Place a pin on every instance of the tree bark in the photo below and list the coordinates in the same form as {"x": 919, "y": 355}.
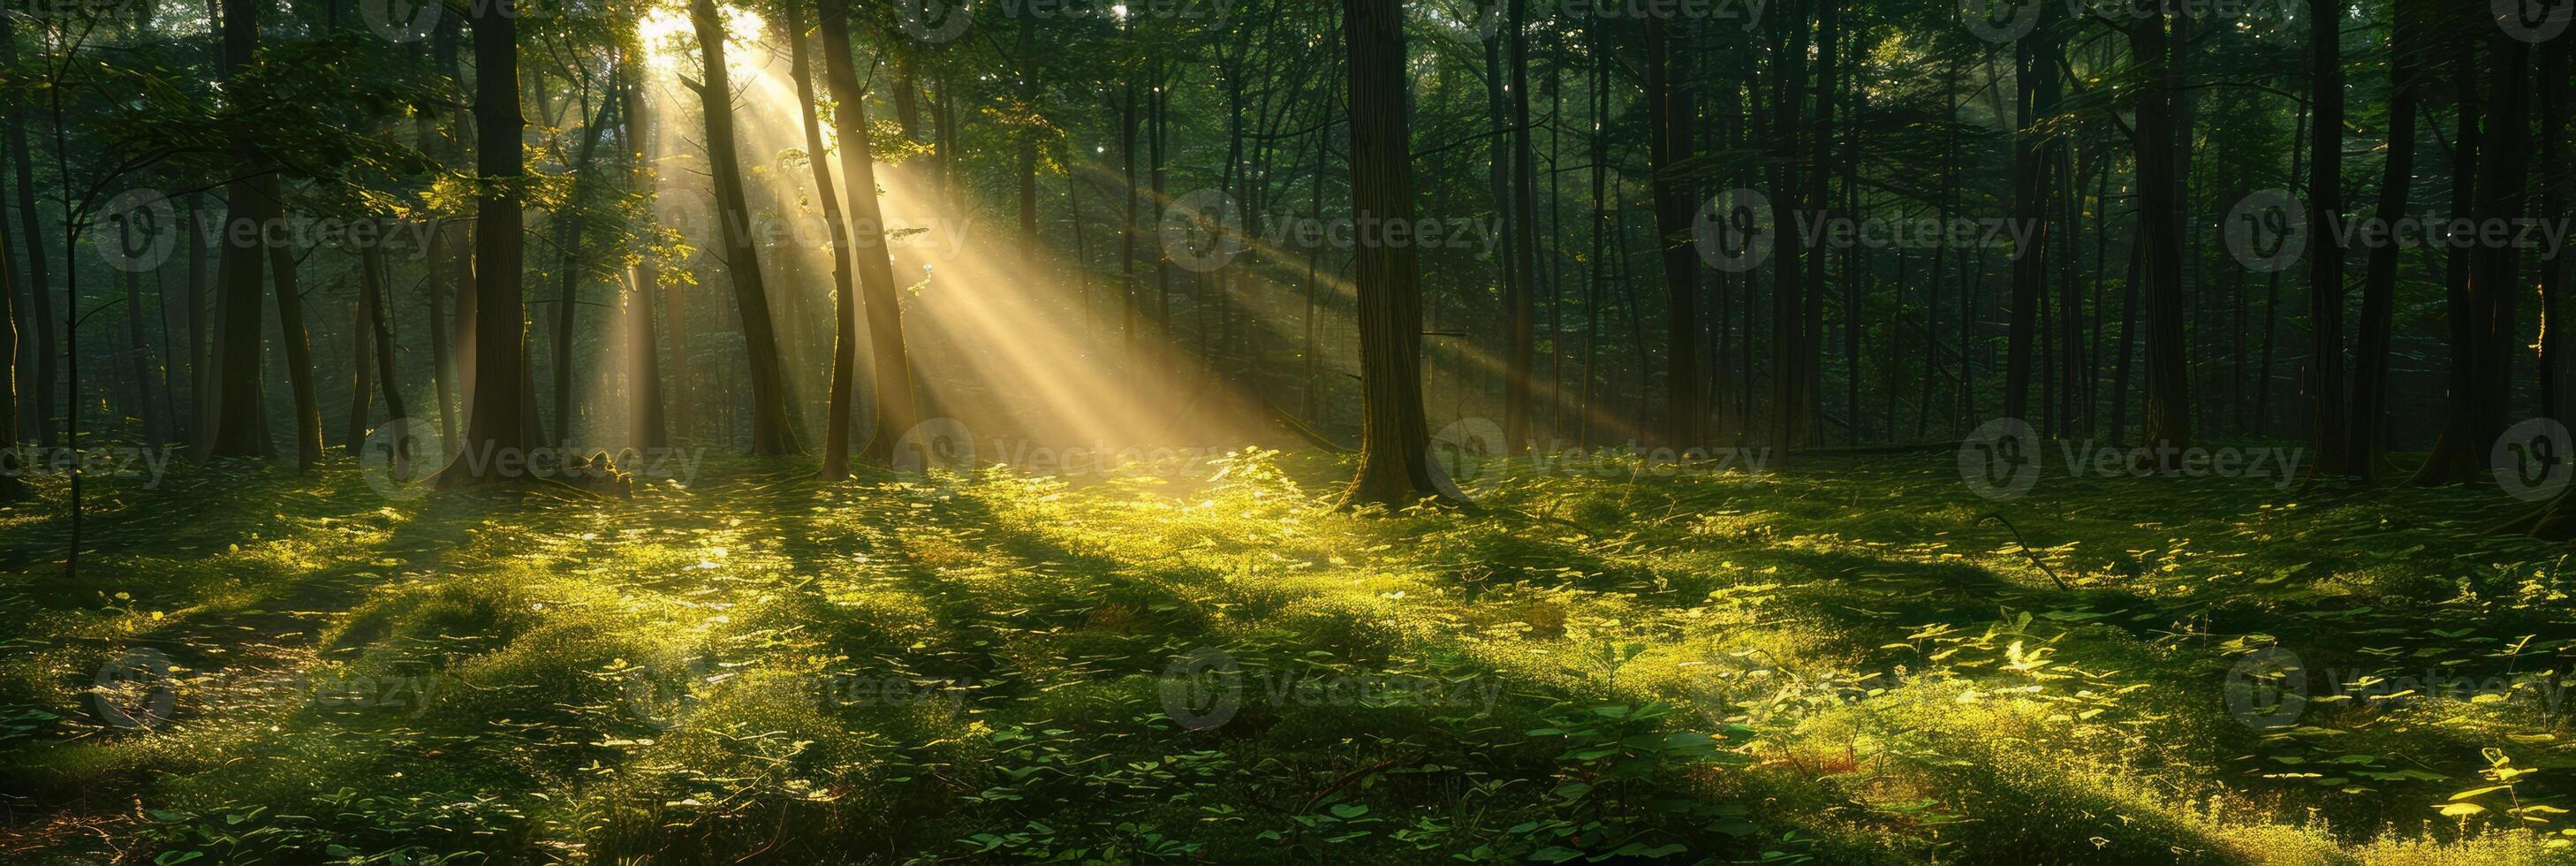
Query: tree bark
{"x": 2326, "y": 421}
{"x": 845, "y": 352}
{"x": 495, "y": 435}
{"x": 1395, "y": 469}
{"x": 229, "y": 422}
{"x": 772, "y": 431}
{"x": 2167, "y": 426}
{"x": 299, "y": 347}
{"x": 1670, "y": 140}
{"x": 2369, "y": 424}
{"x": 882, "y": 297}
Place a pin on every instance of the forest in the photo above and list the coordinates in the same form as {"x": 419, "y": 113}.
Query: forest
{"x": 1287, "y": 431}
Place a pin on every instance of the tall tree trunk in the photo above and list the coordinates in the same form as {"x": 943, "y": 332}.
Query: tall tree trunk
{"x": 372, "y": 282}
{"x": 647, "y": 426}
{"x": 2557, "y": 367}
{"x": 570, "y": 226}
{"x": 2167, "y": 428}
{"x": 773, "y": 433}
{"x": 1520, "y": 301}
{"x": 845, "y": 332}
{"x": 495, "y": 434}
{"x": 2327, "y": 433}
{"x": 882, "y": 297}
{"x": 362, "y": 358}
{"x": 1395, "y": 469}
{"x": 2369, "y": 424}
{"x": 1670, "y": 139}
{"x": 1789, "y": 353}
{"x": 13, "y": 463}
{"x": 229, "y": 422}
{"x": 2459, "y": 454}
{"x": 2035, "y": 73}
{"x": 299, "y": 348}
{"x": 40, "y": 287}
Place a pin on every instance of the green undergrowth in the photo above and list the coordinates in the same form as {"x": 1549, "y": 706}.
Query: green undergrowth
{"x": 1848, "y": 662}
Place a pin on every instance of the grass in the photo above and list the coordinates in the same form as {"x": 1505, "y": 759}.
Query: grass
{"x": 1846, "y": 663}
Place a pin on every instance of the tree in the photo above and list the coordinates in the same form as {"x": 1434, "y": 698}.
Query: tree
{"x": 229, "y": 416}
{"x": 773, "y": 432}
{"x": 647, "y": 420}
{"x": 882, "y": 296}
{"x": 1395, "y": 466}
{"x": 845, "y": 313}
{"x": 495, "y": 431}
{"x": 2167, "y": 429}
{"x": 1669, "y": 145}
{"x": 2379, "y": 287}
{"x": 2325, "y": 257}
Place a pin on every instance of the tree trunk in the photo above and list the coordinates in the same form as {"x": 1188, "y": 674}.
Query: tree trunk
{"x": 772, "y": 432}
{"x": 647, "y": 425}
{"x": 1520, "y": 307}
{"x": 40, "y": 289}
{"x": 495, "y": 434}
{"x": 2369, "y": 424}
{"x": 1669, "y": 143}
{"x": 229, "y": 423}
{"x": 2167, "y": 426}
{"x": 570, "y": 225}
{"x": 2036, "y": 76}
{"x": 882, "y": 296}
{"x": 2326, "y": 420}
{"x": 299, "y": 348}
{"x": 1395, "y": 469}
{"x": 13, "y": 486}
{"x": 845, "y": 334}
{"x": 2459, "y": 454}
{"x": 362, "y": 357}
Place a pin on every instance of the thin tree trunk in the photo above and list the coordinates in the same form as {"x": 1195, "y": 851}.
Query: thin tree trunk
{"x": 773, "y": 433}
{"x": 2328, "y": 432}
{"x": 836, "y": 425}
{"x": 2369, "y": 423}
{"x": 881, "y": 295}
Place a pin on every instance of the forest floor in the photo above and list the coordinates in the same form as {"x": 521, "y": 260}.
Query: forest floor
{"x": 1845, "y": 662}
